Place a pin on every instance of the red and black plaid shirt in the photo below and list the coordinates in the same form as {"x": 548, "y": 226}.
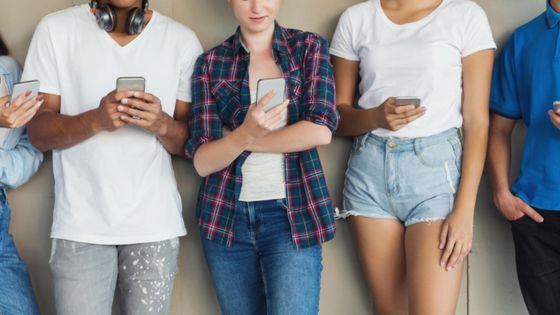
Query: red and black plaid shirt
{"x": 221, "y": 97}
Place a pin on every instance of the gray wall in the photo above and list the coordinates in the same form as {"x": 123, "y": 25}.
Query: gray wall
{"x": 490, "y": 286}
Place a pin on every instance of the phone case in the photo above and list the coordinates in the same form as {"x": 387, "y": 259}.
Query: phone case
{"x": 131, "y": 84}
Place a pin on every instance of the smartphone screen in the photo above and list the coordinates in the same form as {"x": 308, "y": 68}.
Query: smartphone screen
{"x": 264, "y": 86}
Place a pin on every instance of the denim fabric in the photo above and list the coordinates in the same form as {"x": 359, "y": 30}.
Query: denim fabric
{"x": 411, "y": 180}
{"x": 19, "y": 160}
{"x": 16, "y": 293}
{"x": 85, "y": 277}
{"x": 537, "y": 256}
{"x": 264, "y": 273}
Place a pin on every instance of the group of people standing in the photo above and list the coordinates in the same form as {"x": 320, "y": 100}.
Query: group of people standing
{"x": 263, "y": 207}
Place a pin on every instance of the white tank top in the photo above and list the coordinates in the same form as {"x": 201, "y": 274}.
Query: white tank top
{"x": 263, "y": 174}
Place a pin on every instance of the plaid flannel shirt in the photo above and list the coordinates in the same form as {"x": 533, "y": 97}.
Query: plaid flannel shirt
{"x": 221, "y": 97}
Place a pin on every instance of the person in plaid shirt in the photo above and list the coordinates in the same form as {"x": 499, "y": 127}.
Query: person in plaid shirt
{"x": 263, "y": 208}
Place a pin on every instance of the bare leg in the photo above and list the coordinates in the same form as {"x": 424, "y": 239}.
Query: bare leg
{"x": 432, "y": 290}
{"x": 380, "y": 243}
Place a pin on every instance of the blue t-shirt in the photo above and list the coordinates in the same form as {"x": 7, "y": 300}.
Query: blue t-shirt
{"x": 525, "y": 85}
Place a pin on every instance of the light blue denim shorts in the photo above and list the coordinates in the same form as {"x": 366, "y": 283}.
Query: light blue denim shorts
{"x": 411, "y": 180}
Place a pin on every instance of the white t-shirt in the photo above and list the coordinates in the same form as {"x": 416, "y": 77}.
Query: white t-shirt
{"x": 115, "y": 187}
{"x": 423, "y": 59}
{"x": 263, "y": 173}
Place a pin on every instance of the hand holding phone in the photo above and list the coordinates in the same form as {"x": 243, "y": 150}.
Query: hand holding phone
{"x": 131, "y": 84}
{"x": 556, "y": 106}
{"x": 24, "y": 104}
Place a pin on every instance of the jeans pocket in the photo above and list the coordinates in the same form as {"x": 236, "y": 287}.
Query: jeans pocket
{"x": 436, "y": 154}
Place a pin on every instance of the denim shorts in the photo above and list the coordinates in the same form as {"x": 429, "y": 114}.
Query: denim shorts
{"x": 411, "y": 180}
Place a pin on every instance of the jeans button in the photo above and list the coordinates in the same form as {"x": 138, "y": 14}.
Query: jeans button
{"x": 391, "y": 145}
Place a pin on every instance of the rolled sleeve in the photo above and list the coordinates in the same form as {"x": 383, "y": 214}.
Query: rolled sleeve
{"x": 319, "y": 98}
{"x": 204, "y": 122}
{"x": 19, "y": 164}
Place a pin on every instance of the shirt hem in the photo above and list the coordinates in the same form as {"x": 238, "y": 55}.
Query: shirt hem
{"x": 99, "y": 240}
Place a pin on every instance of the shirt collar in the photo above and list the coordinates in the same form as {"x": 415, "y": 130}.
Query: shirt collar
{"x": 552, "y": 17}
{"x": 279, "y": 43}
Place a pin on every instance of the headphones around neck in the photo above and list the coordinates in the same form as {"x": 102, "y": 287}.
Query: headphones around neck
{"x": 106, "y": 17}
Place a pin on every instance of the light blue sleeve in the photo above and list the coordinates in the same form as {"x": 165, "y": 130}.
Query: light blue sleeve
{"x": 19, "y": 164}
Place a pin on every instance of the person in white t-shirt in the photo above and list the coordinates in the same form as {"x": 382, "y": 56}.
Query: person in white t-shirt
{"x": 117, "y": 210}
{"x": 410, "y": 191}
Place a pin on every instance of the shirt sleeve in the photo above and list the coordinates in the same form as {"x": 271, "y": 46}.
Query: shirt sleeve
{"x": 477, "y": 33}
{"x": 319, "y": 98}
{"x": 342, "y": 41}
{"x": 204, "y": 122}
{"x": 503, "y": 95}
{"x": 40, "y": 63}
{"x": 184, "y": 93}
{"x": 19, "y": 164}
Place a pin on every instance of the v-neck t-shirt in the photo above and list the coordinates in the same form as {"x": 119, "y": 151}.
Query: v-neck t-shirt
{"x": 115, "y": 187}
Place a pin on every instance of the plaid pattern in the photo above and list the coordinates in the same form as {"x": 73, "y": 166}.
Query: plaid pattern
{"x": 221, "y": 97}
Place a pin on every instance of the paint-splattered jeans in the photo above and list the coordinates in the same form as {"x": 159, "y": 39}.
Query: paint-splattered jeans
{"x": 85, "y": 277}
{"x": 410, "y": 180}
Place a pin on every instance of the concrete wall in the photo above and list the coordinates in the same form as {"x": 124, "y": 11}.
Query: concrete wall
{"x": 490, "y": 286}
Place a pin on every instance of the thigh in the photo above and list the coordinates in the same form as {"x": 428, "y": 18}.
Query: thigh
{"x": 84, "y": 277}
{"x": 16, "y": 293}
{"x": 237, "y": 277}
{"x": 380, "y": 244}
{"x": 537, "y": 253}
{"x": 432, "y": 290}
{"x": 146, "y": 274}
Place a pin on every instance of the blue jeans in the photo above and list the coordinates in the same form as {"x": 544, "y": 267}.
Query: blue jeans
{"x": 264, "y": 273}
{"x": 16, "y": 293}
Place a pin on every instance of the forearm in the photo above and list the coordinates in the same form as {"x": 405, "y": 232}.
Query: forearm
{"x": 499, "y": 157}
{"x": 19, "y": 164}
{"x": 300, "y": 136}
{"x": 173, "y": 136}
{"x": 54, "y": 131}
{"x": 219, "y": 154}
{"x": 474, "y": 154}
{"x": 355, "y": 122}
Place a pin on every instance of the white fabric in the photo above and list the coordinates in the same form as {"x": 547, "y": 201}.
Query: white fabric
{"x": 423, "y": 59}
{"x": 116, "y": 187}
{"x": 263, "y": 174}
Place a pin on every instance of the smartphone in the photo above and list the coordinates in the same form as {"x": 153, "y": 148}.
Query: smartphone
{"x": 556, "y": 105}
{"x": 264, "y": 86}
{"x": 408, "y": 100}
{"x": 131, "y": 84}
{"x": 3, "y": 86}
{"x": 22, "y": 87}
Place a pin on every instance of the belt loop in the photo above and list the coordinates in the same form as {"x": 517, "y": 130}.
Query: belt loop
{"x": 460, "y": 134}
{"x": 363, "y": 140}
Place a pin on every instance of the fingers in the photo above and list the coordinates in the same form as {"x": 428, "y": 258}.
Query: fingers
{"x": 28, "y": 115}
{"x": 555, "y": 117}
{"x": 141, "y": 105}
{"x": 115, "y": 97}
{"x": 4, "y": 100}
{"x": 455, "y": 256}
{"x": 265, "y": 100}
{"x": 28, "y": 105}
{"x": 443, "y": 235}
{"x": 531, "y": 213}
{"x": 447, "y": 252}
{"x": 133, "y": 112}
{"x": 21, "y": 99}
{"x": 409, "y": 117}
{"x": 149, "y": 98}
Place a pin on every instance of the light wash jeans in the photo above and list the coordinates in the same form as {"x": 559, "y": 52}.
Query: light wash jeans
{"x": 263, "y": 273}
{"x": 16, "y": 293}
{"x": 85, "y": 277}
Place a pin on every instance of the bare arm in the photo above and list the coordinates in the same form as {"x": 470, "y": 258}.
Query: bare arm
{"x": 457, "y": 232}
{"x": 218, "y": 154}
{"x": 300, "y": 136}
{"x": 50, "y": 130}
{"x": 353, "y": 121}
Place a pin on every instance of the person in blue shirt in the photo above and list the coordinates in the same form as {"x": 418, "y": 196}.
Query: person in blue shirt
{"x": 19, "y": 160}
{"x": 525, "y": 87}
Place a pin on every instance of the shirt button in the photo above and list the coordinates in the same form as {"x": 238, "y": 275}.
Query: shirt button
{"x": 392, "y": 145}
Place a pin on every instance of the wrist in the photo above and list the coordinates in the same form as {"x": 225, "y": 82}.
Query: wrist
{"x": 92, "y": 121}
{"x": 242, "y": 137}
{"x": 163, "y": 130}
{"x": 373, "y": 117}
